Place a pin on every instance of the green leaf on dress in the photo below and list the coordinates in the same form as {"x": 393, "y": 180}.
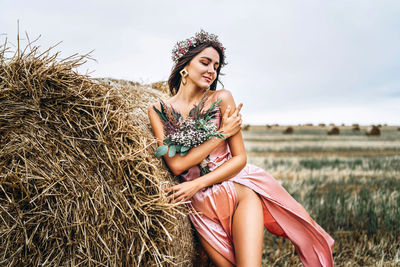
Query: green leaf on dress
{"x": 161, "y": 150}
{"x": 185, "y": 149}
{"x": 172, "y": 151}
{"x": 178, "y": 148}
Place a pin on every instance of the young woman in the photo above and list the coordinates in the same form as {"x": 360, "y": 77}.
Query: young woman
{"x": 233, "y": 200}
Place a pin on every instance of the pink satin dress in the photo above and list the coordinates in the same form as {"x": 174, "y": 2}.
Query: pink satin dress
{"x": 213, "y": 208}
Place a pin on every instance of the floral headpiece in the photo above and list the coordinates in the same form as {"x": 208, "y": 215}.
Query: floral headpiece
{"x": 182, "y": 47}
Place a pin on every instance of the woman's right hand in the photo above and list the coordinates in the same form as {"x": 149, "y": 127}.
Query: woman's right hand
{"x": 230, "y": 125}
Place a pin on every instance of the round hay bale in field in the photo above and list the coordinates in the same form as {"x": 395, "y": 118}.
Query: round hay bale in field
{"x": 321, "y": 124}
{"x": 355, "y": 128}
{"x": 268, "y": 126}
{"x": 246, "y": 127}
{"x": 288, "y": 130}
{"x": 79, "y": 183}
{"x": 333, "y": 130}
{"x": 373, "y": 131}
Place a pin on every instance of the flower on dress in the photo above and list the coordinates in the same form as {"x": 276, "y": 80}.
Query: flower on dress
{"x": 204, "y": 169}
{"x": 183, "y": 134}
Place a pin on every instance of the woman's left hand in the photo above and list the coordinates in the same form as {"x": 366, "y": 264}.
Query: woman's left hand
{"x": 183, "y": 191}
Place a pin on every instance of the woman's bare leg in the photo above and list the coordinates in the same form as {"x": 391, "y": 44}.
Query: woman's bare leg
{"x": 215, "y": 256}
{"x": 248, "y": 227}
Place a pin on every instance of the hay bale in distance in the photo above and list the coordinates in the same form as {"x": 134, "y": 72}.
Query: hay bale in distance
{"x": 333, "y": 130}
{"x": 288, "y": 130}
{"x": 79, "y": 182}
{"x": 355, "y": 128}
{"x": 373, "y": 131}
{"x": 246, "y": 127}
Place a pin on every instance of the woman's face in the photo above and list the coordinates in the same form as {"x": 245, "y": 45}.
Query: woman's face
{"x": 203, "y": 67}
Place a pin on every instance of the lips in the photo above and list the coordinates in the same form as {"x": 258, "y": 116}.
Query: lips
{"x": 207, "y": 79}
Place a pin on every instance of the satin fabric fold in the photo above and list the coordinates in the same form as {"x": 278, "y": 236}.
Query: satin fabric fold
{"x": 213, "y": 208}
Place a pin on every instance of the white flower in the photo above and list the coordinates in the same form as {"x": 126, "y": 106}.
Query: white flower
{"x": 204, "y": 163}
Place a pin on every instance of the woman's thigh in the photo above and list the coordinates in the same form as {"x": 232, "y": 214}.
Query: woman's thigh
{"x": 243, "y": 192}
{"x": 248, "y": 227}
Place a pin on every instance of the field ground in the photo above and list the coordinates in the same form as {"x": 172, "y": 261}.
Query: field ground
{"x": 349, "y": 183}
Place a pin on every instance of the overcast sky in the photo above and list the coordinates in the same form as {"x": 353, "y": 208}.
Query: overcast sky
{"x": 289, "y": 62}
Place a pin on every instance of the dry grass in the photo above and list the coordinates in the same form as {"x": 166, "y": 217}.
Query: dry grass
{"x": 348, "y": 183}
{"x": 79, "y": 184}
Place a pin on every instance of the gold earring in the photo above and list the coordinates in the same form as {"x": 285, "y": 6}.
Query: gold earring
{"x": 184, "y": 73}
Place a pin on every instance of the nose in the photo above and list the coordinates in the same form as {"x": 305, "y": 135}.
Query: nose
{"x": 211, "y": 70}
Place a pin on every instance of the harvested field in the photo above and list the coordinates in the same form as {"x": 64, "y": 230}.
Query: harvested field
{"x": 349, "y": 183}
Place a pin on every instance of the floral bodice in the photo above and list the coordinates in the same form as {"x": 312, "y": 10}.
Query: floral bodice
{"x": 216, "y": 158}
{"x": 183, "y": 134}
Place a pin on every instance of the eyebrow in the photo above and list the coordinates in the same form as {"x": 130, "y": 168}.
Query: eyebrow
{"x": 210, "y": 59}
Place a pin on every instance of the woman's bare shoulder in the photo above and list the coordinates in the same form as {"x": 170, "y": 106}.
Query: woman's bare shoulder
{"x": 225, "y": 95}
{"x": 157, "y": 104}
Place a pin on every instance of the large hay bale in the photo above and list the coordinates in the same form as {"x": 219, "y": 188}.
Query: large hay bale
{"x": 79, "y": 184}
{"x": 288, "y": 130}
{"x": 333, "y": 130}
{"x": 373, "y": 131}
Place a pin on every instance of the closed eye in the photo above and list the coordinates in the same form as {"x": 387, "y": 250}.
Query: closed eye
{"x": 205, "y": 64}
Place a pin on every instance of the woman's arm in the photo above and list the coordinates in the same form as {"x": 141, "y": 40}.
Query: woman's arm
{"x": 184, "y": 191}
{"x": 178, "y": 164}
{"x": 234, "y": 165}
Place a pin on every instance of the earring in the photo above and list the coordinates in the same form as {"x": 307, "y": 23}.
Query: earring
{"x": 184, "y": 73}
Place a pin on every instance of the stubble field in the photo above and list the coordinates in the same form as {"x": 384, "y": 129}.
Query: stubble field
{"x": 349, "y": 183}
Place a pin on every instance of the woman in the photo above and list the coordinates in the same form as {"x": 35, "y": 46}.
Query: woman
{"x": 233, "y": 200}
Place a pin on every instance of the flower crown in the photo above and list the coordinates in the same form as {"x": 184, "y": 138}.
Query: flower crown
{"x": 182, "y": 47}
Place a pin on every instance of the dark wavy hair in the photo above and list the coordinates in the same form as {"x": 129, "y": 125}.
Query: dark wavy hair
{"x": 174, "y": 79}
